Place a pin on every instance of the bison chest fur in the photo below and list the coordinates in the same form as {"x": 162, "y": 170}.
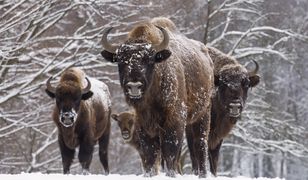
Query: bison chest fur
{"x": 221, "y": 125}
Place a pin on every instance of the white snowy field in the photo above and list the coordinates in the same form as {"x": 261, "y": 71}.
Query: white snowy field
{"x": 39, "y": 176}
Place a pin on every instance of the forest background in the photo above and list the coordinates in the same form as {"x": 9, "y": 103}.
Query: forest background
{"x": 42, "y": 38}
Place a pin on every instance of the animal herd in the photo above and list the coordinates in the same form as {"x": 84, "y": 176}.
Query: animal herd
{"x": 173, "y": 85}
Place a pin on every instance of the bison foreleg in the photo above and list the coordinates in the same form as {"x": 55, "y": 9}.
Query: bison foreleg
{"x": 150, "y": 150}
{"x": 85, "y": 155}
{"x": 213, "y": 158}
{"x": 171, "y": 139}
{"x": 67, "y": 155}
{"x": 103, "y": 150}
{"x": 192, "y": 151}
{"x": 200, "y": 136}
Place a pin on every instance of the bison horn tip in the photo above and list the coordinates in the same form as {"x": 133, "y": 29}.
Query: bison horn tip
{"x": 106, "y": 45}
{"x": 164, "y": 44}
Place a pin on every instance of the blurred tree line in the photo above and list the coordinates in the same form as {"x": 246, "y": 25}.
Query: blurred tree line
{"x": 42, "y": 38}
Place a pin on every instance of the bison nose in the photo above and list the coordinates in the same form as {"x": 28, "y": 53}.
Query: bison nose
{"x": 68, "y": 115}
{"x": 126, "y": 136}
{"x": 235, "y": 108}
{"x": 134, "y": 88}
{"x": 67, "y": 119}
{"x": 134, "y": 85}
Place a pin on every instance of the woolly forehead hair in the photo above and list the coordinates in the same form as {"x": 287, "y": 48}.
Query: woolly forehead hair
{"x": 69, "y": 88}
{"x": 136, "y": 48}
{"x": 232, "y": 72}
{"x": 127, "y": 115}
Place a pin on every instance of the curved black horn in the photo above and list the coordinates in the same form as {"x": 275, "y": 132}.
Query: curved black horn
{"x": 87, "y": 89}
{"x": 255, "y": 71}
{"x": 107, "y": 46}
{"x": 49, "y": 87}
{"x": 164, "y": 44}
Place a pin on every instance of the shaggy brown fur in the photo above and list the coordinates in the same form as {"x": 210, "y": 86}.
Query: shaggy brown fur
{"x": 92, "y": 122}
{"x": 232, "y": 81}
{"x": 176, "y": 87}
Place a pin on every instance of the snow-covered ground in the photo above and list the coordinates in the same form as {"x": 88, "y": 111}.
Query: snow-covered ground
{"x": 39, "y": 176}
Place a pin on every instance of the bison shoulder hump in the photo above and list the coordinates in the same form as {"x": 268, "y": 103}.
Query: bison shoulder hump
{"x": 165, "y": 23}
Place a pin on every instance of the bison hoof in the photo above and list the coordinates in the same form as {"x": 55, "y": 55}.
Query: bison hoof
{"x": 148, "y": 174}
{"x": 85, "y": 172}
{"x": 202, "y": 174}
{"x": 106, "y": 173}
{"x": 170, "y": 173}
{"x": 195, "y": 172}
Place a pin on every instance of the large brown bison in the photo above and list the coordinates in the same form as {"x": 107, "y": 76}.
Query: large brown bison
{"x": 82, "y": 116}
{"x": 168, "y": 79}
{"x": 232, "y": 81}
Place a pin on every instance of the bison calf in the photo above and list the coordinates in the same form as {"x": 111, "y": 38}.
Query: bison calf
{"x": 82, "y": 116}
{"x": 133, "y": 135}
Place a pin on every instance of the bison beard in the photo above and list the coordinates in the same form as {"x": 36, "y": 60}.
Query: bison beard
{"x": 82, "y": 117}
{"x": 168, "y": 88}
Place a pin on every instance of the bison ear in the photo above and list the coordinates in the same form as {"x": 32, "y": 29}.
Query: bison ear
{"x": 162, "y": 55}
{"x": 50, "y": 94}
{"x": 115, "y": 117}
{"x": 87, "y": 95}
{"x": 108, "y": 56}
{"x": 254, "y": 80}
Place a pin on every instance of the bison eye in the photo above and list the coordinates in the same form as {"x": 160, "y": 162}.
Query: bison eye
{"x": 224, "y": 83}
{"x": 245, "y": 83}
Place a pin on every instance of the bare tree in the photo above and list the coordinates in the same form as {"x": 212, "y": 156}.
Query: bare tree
{"x": 42, "y": 38}
{"x": 270, "y": 127}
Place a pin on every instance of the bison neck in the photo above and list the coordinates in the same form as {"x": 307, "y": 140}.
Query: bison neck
{"x": 221, "y": 124}
{"x": 70, "y": 137}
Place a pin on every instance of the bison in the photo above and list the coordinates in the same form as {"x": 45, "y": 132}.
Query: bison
{"x": 82, "y": 116}
{"x": 168, "y": 79}
{"x": 133, "y": 135}
{"x": 232, "y": 81}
